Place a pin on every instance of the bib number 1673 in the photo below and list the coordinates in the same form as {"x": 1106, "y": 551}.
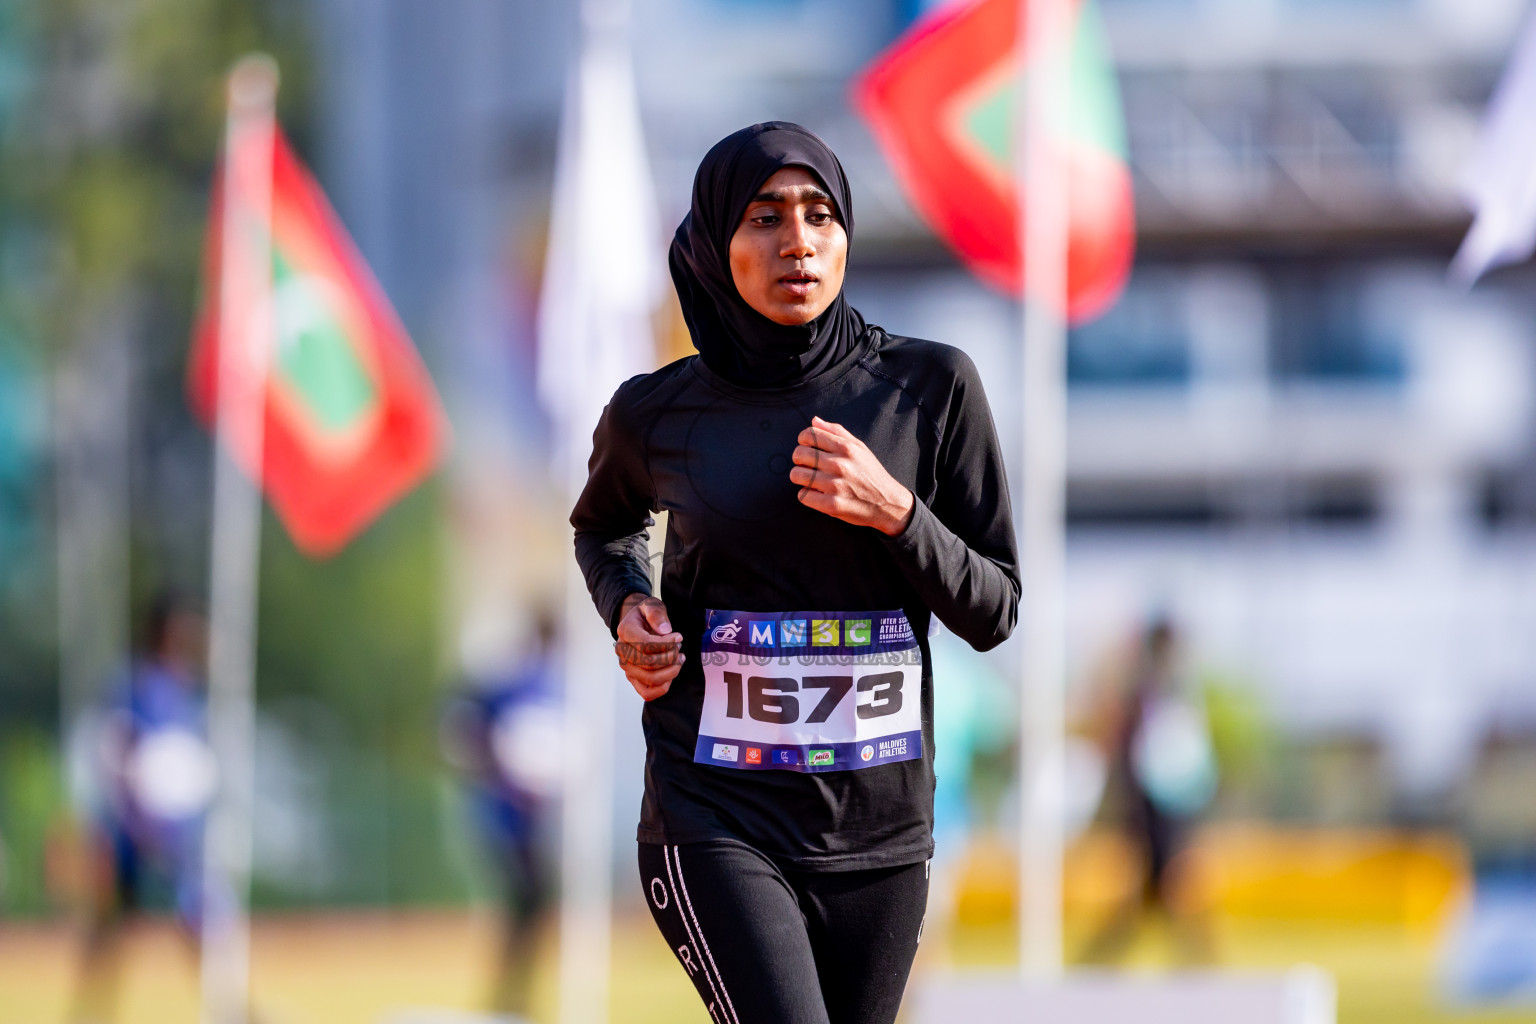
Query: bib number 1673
{"x": 777, "y": 699}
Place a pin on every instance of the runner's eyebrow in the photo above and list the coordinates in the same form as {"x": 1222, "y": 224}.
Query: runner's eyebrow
{"x": 807, "y": 193}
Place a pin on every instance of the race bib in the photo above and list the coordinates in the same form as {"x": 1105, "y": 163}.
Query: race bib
{"x": 810, "y": 691}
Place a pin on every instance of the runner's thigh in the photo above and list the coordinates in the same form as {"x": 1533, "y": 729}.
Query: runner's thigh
{"x": 735, "y": 926}
{"x": 864, "y": 928}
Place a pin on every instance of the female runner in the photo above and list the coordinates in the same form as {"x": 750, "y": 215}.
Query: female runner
{"x": 831, "y": 488}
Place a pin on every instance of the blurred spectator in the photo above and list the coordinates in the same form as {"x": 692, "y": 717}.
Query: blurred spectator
{"x": 1162, "y": 774}
{"x": 502, "y": 732}
{"x": 158, "y": 776}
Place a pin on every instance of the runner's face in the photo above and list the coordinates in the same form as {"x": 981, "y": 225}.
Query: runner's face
{"x": 789, "y": 251}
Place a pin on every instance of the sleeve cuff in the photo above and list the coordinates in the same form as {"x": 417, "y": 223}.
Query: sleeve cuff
{"x": 617, "y": 610}
{"x": 919, "y": 526}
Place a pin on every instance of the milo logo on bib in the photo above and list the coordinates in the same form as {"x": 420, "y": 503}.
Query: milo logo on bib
{"x": 810, "y": 691}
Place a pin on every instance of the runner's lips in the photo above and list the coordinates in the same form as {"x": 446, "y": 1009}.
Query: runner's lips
{"x": 799, "y": 282}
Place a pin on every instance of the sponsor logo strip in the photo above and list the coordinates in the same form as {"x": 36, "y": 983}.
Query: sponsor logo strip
{"x": 789, "y": 634}
{"x": 821, "y": 757}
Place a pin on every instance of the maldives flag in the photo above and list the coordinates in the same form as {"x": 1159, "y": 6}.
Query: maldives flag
{"x": 351, "y": 419}
{"x": 941, "y": 104}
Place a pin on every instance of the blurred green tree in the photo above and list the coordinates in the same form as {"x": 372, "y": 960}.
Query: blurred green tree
{"x": 111, "y": 116}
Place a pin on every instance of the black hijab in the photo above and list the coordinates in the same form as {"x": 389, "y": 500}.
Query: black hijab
{"x": 735, "y": 340}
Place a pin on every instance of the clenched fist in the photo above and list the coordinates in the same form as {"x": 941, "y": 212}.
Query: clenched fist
{"x": 649, "y": 651}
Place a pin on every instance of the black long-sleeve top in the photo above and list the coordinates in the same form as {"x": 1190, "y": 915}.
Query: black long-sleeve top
{"x": 717, "y": 457}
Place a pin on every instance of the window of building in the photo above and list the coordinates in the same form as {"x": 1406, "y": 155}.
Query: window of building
{"x": 1327, "y": 329}
{"x": 1143, "y": 340}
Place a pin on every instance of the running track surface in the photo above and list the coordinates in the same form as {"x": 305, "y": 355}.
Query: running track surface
{"x": 362, "y": 968}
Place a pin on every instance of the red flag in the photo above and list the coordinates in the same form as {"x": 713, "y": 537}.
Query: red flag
{"x": 941, "y": 103}
{"x": 352, "y": 420}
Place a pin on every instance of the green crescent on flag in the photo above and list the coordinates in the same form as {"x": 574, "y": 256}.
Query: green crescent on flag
{"x": 314, "y": 356}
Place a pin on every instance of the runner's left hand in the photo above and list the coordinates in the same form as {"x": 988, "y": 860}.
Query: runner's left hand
{"x": 839, "y": 475}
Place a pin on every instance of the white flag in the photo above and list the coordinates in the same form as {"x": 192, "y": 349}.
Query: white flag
{"x": 604, "y": 270}
{"x": 1500, "y": 184}
{"x": 602, "y": 278}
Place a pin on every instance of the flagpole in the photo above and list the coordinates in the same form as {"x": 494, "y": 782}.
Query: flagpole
{"x": 245, "y": 338}
{"x": 1042, "y": 188}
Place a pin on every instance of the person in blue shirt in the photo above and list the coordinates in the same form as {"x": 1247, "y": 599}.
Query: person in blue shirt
{"x": 158, "y": 777}
{"x": 502, "y": 733}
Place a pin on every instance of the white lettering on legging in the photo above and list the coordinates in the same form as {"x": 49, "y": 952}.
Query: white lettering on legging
{"x": 682, "y": 887}
{"x": 667, "y": 857}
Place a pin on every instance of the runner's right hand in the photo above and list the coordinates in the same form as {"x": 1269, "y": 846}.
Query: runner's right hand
{"x": 650, "y": 653}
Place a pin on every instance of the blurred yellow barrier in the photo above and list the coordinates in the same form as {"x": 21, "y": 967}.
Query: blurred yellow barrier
{"x": 987, "y": 883}
{"x": 1101, "y": 870}
{"x": 1362, "y": 876}
{"x": 1413, "y": 879}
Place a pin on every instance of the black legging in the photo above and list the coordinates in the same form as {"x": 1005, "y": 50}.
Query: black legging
{"x": 766, "y": 944}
